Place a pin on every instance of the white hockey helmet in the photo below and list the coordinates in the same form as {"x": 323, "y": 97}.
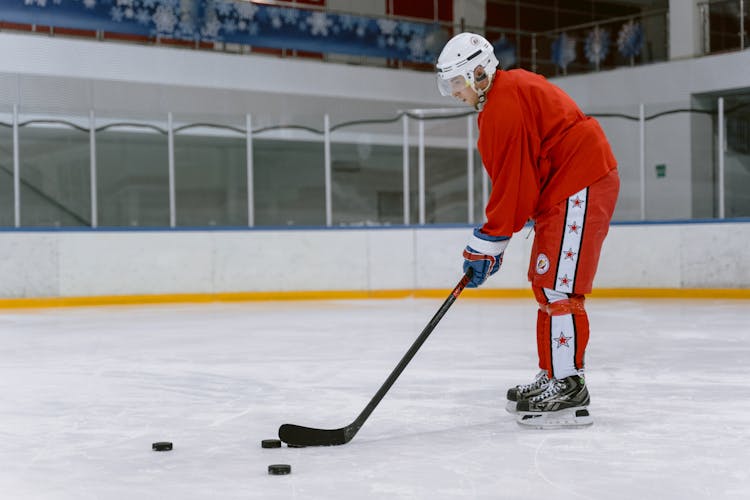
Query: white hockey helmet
{"x": 458, "y": 60}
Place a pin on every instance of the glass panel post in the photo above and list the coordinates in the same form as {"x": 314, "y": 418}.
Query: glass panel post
{"x": 470, "y": 166}
{"x": 642, "y": 156}
{"x": 92, "y": 163}
{"x": 407, "y": 202}
{"x": 250, "y": 188}
{"x": 421, "y": 172}
{"x": 720, "y": 149}
{"x": 16, "y": 171}
{"x": 170, "y": 147}
{"x": 327, "y": 167}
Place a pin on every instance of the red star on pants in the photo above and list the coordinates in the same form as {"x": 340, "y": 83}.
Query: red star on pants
{"x": 577, "y": 203}
{"x": 569, "y": 254}
{"x": 573, "y": 228}
{"x": 562, "y": 340}
{"x": 564, "y": 281}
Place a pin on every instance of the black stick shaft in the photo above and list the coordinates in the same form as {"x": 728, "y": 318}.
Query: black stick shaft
{"x": 360, "y": 420}
{"x": 307, "y": 436}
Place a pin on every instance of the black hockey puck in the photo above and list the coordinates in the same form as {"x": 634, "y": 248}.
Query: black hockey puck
{"x": 161, "y": 446}
{"x": 271, "y": 443}
{"x": 279, "y": 469}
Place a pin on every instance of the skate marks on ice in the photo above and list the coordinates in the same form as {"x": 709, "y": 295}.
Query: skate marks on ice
{"x": 87, "y": 390}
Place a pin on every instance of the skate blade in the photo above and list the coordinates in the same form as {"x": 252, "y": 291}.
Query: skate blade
{"x": 569, "y": 418}
{"x": 510, "y": 407}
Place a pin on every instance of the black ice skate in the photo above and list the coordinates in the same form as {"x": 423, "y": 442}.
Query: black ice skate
{"x": 525, "y": 391}
{"x": 564, "y": 403}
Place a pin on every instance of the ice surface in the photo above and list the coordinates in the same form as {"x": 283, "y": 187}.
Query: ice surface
{"x": 85, "y": 391}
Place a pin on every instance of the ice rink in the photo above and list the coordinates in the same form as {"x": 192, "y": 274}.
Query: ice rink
{"x": 85, "y": 391}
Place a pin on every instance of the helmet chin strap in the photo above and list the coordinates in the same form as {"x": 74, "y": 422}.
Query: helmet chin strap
{"x": 482, "y": 94}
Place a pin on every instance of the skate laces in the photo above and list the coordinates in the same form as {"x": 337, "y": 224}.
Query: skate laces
{"x": 554, "y": 387}
{"x": 540, "y": 379}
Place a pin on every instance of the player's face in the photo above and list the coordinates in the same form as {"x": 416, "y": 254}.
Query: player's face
{"x": 466, "y": 94}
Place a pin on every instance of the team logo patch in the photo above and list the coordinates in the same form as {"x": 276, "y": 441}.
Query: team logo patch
{"x": 542, "y": 264}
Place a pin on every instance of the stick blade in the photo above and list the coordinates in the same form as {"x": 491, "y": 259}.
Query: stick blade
{"x": 298, "y": 435}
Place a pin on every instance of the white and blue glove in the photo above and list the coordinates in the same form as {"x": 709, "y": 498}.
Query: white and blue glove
{"x": 483, "y": 255}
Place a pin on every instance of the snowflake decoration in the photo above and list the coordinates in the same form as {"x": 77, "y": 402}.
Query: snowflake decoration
{"x": 187, "y": 28}
{"x": 143, "y": 16}
{"x": 387, "y": 26}
{"x": 319, "y": 23}
{"x": 361, "y": 28}
{"x": 165, "y": 19}
{"x": 229, "y": 26}
{"x": 597, "y": 45}
{"x": 246, "y": 10}
{"x": 223, "y": 8}
{"x": 115, "y": 14}
{"x": 290, "y": 16}
{"x": 417, "y": 47}
{"x": 211, "y": 28}
{"x": 630, "y": 39}
{"x": 563, "y": 51}
{"x": 347, "y": 22}
{"x": 89, "y": 4}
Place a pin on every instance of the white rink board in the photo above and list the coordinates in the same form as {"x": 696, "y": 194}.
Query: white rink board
{"x": 99, "y": 263}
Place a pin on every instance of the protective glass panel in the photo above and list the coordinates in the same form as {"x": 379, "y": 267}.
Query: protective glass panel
{"x": 210, "y": 171}
{"x": 133, "y": 174}
{"x": 478, "y": 188}
{"x": 737, "y": 156}
{"x": 6, "y": 168}
{"x": 620, "y": 125}
{"x": 289, "y": 182}
{"x": 445, "y": 184}
{"x": 367, "y": 174}
{"x": 55, "y": 179}
{"x": 668, "y": 172}
{"x": 703, "y": 137}
{"x": 413, "y": 181}
{"x": 446, "y": 169}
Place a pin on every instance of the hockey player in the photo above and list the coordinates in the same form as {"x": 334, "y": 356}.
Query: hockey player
{"x": 550, "y": 163}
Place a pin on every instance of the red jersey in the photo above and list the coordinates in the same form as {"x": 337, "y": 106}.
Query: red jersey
{"x": 537, "y": 147}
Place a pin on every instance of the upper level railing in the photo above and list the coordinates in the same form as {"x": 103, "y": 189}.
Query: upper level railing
{"x": 724, "y": 25}
{"x": 586, "y": 47}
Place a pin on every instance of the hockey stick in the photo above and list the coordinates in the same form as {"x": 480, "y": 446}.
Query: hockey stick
{"x": 298, "y": 435}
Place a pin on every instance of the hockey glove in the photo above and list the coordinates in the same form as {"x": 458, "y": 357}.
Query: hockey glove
{"x": 484, "y": 254}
